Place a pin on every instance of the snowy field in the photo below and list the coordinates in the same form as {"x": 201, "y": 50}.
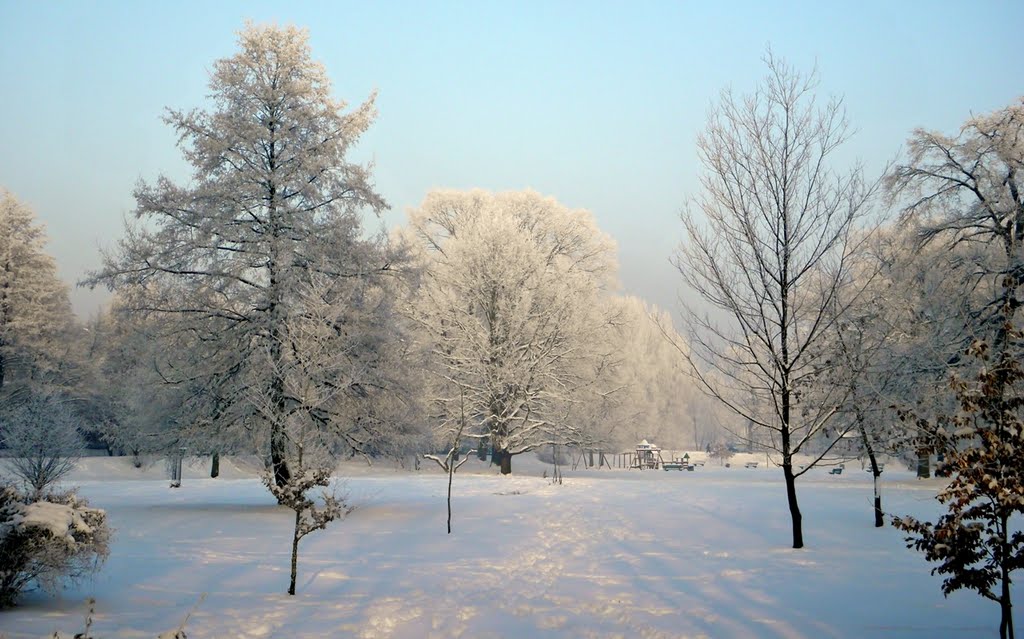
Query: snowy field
{"x": 607, "y": 554}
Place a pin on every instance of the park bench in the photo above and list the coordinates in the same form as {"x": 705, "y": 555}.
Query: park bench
{"x": 750, "y": 465}
{"x": 838, "y": 470}
{"x": 881, "y": 467}
{"x": 674, "y": 465}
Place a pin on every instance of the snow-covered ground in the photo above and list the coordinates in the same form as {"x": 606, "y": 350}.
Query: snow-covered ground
{"x": 607, "y": 554}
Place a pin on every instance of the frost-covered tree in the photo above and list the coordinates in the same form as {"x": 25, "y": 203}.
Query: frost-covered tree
{"x": 35, "y": 314}
{"x": 965, "y": 197}
{"x": 962, "y": 198}
{"x": 967, "y": 191}
{"x": 41, "y": 436}
{"x": 510, "y": 298}
{"x": 645, "y": 393}
{"x": 771, "y": 251}
{"x": 139, "y": 413}
{"x": 267, "y": 235}
{"x": 978, "y": 543}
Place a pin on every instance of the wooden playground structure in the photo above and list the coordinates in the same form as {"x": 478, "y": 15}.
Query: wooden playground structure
{"x": 646, "y": 456}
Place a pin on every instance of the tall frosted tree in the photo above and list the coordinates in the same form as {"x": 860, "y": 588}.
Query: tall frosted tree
{"x": 35, "y": 314}
{"x": 268, "y": 225}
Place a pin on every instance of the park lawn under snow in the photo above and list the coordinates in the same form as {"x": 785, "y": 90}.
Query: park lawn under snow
{"x": 607, "y": 554}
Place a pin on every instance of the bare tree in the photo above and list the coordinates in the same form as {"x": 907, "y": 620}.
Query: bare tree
{"x": 771, "y": 250}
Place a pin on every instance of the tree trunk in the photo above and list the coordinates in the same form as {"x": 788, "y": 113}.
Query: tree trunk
{"x": 277, "y": 457}
{"x": 879, "y": 515}
{"x": 1006, "y": 611}
{"x": 215, "y": 466}
{"x": 875, "y": 472}
{"x": 505, "y": 459}
{"x": 1005, "y": 601}
{"x": 794, "y": 507}
{"x": 451, "y": 473}
{"x": 295, "y": 553}
{"x": 923, "y": 470}
{"x": 278, "y": 448}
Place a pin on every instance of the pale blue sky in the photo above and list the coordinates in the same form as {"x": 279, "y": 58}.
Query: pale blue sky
{"x": 597, "y": 104}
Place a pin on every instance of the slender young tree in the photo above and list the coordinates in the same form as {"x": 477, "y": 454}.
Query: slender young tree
{"x": 451, "y": 430}
{"x": 771, "y": 250}
{"x": 978, "y": 542}
{"x": 230, "y": 260}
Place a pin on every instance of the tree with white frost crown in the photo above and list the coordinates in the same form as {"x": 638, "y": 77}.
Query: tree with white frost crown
{"x": 967, "y": 191}
{"x": 509, "y": 298}
{"x": 771, "y": 250}
{"x": 35, "y": 313}
{"x": 263, "y": 243}
{"x": 646, "y": 393}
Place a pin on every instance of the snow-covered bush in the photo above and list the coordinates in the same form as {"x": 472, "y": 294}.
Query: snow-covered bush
{"x": 48, "y": 540}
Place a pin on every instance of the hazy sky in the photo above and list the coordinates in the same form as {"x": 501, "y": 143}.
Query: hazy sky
{"x": 597, "y": 104}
